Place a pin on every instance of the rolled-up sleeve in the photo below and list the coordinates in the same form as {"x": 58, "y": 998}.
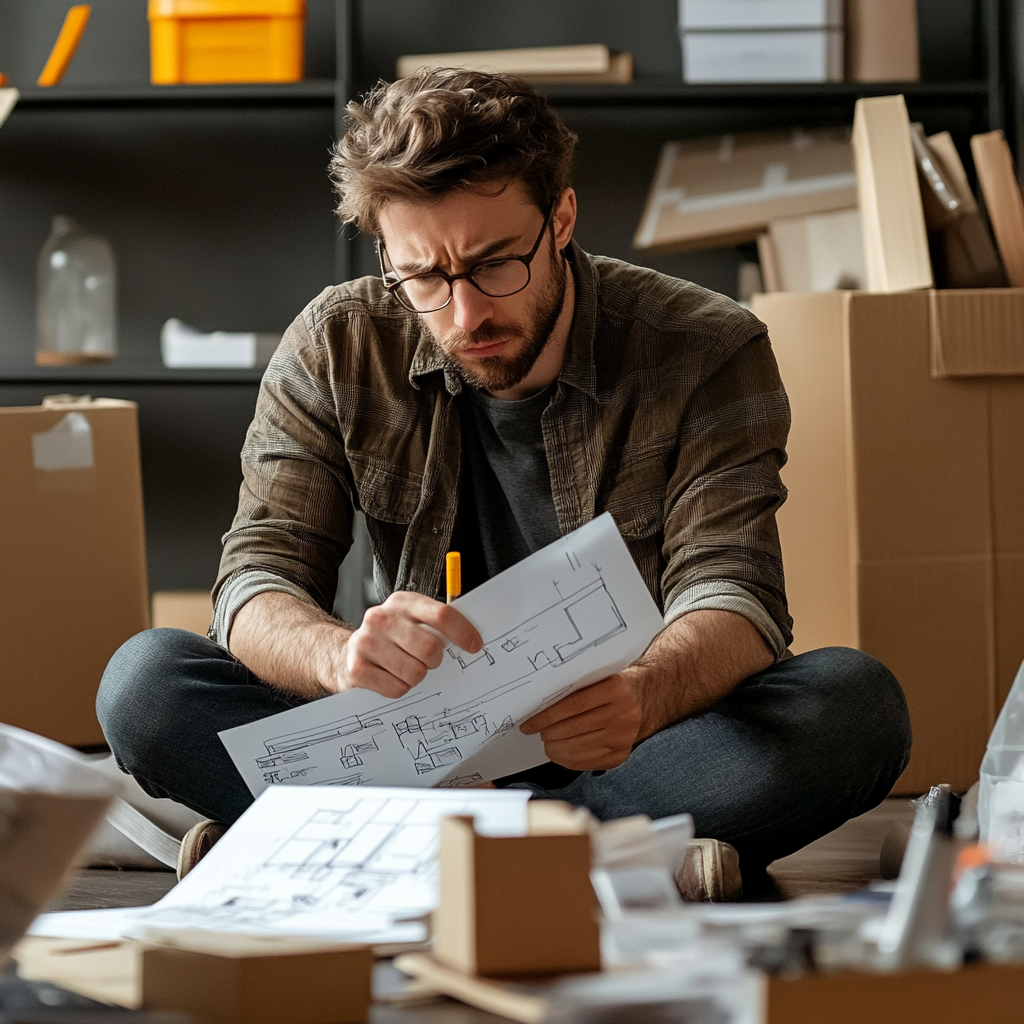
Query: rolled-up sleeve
{"x": 722, "y": 546}
{"x": 295, "y": 512}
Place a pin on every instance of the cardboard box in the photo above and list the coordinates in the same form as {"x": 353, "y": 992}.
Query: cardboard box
{"x": 728, "y": 189}
{"x": 238, "y": 979}
{"x": 808, "y": 55}
{"x": 72, "y": 560}
{"x": 183, "y": 609}
{"x": 903, "y": 534}
{"x": 881, "y": 41}
{"x": 981, "y": 994}
{"x": 515, "y": 905}
{"x": 226, "y": 979}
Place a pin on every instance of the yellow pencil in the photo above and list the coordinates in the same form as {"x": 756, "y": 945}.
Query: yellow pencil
{"x": 453, "y": 567}
{"x": 67, "y": 42}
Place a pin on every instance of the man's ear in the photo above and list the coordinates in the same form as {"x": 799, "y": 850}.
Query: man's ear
{"x": 564, "y": 219}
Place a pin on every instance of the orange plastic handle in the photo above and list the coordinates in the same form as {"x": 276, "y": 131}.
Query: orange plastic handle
{"x": 67, "y": 42}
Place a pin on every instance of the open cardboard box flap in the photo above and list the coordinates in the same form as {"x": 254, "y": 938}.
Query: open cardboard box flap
{"x": 977, "y": 332}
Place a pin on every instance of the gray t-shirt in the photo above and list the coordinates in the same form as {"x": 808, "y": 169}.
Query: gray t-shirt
{"x": 506, "y": 493}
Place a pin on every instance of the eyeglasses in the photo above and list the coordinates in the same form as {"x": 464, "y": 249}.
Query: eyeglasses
{"x": 429, "y": 292}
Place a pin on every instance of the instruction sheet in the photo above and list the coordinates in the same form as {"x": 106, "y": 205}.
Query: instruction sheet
{"x": 567, "y": 616}
{"x": 355, "y": 864}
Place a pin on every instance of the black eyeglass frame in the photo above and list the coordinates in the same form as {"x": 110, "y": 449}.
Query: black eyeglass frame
{"x": 526, "y": 259}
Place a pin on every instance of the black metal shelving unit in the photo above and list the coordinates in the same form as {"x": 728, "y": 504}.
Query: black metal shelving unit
{"x": 217, "y": 201}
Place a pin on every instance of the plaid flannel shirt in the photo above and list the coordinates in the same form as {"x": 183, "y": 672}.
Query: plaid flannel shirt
{"x": 669, "y": 413}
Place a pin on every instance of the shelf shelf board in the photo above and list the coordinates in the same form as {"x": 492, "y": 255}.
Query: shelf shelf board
{"x": 643, "y": 92}
{"x": 119, "y": 374}
{"x": 312, "y": 92}
{"x": 670, "y": 92}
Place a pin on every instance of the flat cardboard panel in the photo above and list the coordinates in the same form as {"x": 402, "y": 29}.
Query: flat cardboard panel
{"x": 728, "y": 189}
{"x": 73, "y": 563}
{"x": 920, "y": 446}
{"x": 889, "y": 197}
{"x": 977, "y": 332}
{"x": 815, "y": 523}
{"x": 930, "y": 622}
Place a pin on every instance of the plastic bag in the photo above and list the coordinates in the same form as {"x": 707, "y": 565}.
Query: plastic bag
{"x": 51, "y": 801}
{"x": 1001, "y": 792}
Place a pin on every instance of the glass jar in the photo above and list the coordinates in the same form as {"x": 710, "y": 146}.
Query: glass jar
{"x": 76, "y": 312}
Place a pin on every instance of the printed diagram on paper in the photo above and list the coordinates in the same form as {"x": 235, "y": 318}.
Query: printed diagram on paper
{"x": 342, "y": 862}
{"x": 375, "y": 857}
{"x": 574, "y": 629}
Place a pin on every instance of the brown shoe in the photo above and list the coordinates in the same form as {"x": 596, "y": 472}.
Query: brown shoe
{"x": 198, "y": 842}
{"x": 710, "y": 873}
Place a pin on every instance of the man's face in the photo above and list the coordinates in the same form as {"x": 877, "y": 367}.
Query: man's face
{"x": 494, "y": 342}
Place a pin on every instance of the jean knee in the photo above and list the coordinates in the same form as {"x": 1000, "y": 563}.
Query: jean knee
{"x": 138, "y": 682}
{"x": 873, "y": 694}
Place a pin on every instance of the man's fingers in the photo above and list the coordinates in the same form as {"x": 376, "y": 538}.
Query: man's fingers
{"x": 448, "y": 621}
{"x": 594, "y": 720}
{"x": 454, "y": 626}
{"x": 598, "y": 695}
{"x": 372, "y": 677}
{"x": 373, "y": 651}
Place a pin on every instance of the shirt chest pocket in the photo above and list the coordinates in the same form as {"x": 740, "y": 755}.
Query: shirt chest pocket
{"x": 385, "y": 493}
{"x": 635, "y": 496}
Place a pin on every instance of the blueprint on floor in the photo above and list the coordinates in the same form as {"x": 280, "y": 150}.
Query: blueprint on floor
{"x": 567, "y": 616}
{"x": 334, "y": 862}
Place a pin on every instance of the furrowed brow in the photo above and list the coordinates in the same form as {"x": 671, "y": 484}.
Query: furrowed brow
{"x": 422, "y": 267}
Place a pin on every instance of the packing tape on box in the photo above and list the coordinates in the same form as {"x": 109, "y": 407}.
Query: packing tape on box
{"x": 68, "y": 445}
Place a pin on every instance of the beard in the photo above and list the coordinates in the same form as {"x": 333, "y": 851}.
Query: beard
{"x": 501, "y": 372}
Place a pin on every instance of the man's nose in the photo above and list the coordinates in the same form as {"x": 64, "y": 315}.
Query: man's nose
{"x": 471, "y": 307}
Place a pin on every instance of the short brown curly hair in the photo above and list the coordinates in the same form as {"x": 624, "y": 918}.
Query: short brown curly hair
{"x": 439, "y": 130}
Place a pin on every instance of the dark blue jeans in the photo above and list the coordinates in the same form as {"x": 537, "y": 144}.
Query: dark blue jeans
{"x": 787, "y": 757}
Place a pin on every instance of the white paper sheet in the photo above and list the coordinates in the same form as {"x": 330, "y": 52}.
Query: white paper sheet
{"x": 567, "y": 616}
{"x": 336, "y": 862}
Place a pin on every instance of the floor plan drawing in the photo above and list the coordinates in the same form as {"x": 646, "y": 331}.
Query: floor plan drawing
{"x": 356, "y": 859}
{"x": 578, "y": 613}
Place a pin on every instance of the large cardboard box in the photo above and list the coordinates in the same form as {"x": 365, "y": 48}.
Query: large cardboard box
{"x": 903, "y": 533}
{"x": 72, "y": 560}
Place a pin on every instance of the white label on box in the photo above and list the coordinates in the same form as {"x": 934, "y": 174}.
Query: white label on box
{"x": 701, "y": 15}
{"x": 719, "y": 57}
{"x": 68, "y": 445}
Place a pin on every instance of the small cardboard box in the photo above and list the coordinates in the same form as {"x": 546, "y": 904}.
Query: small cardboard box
{"x": 903, "y": 533}
{"x": 237, "y": 979}
{"x": 984, "y": 994}
{"x": 72, "y": 560}
{"x": 516, "y": 905}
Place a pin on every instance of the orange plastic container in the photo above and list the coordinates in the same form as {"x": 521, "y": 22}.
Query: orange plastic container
{"x": 216, "y": 41}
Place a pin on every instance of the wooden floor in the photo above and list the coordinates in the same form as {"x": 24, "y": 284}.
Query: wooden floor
{"x": 845, "y": 860}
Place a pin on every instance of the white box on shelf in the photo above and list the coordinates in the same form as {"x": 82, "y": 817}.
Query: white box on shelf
{"x": 701, "y": 15}
{"x": 789, "y": 56}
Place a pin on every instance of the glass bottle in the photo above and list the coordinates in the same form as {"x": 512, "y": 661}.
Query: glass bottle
{"x": 76, "y": 311}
